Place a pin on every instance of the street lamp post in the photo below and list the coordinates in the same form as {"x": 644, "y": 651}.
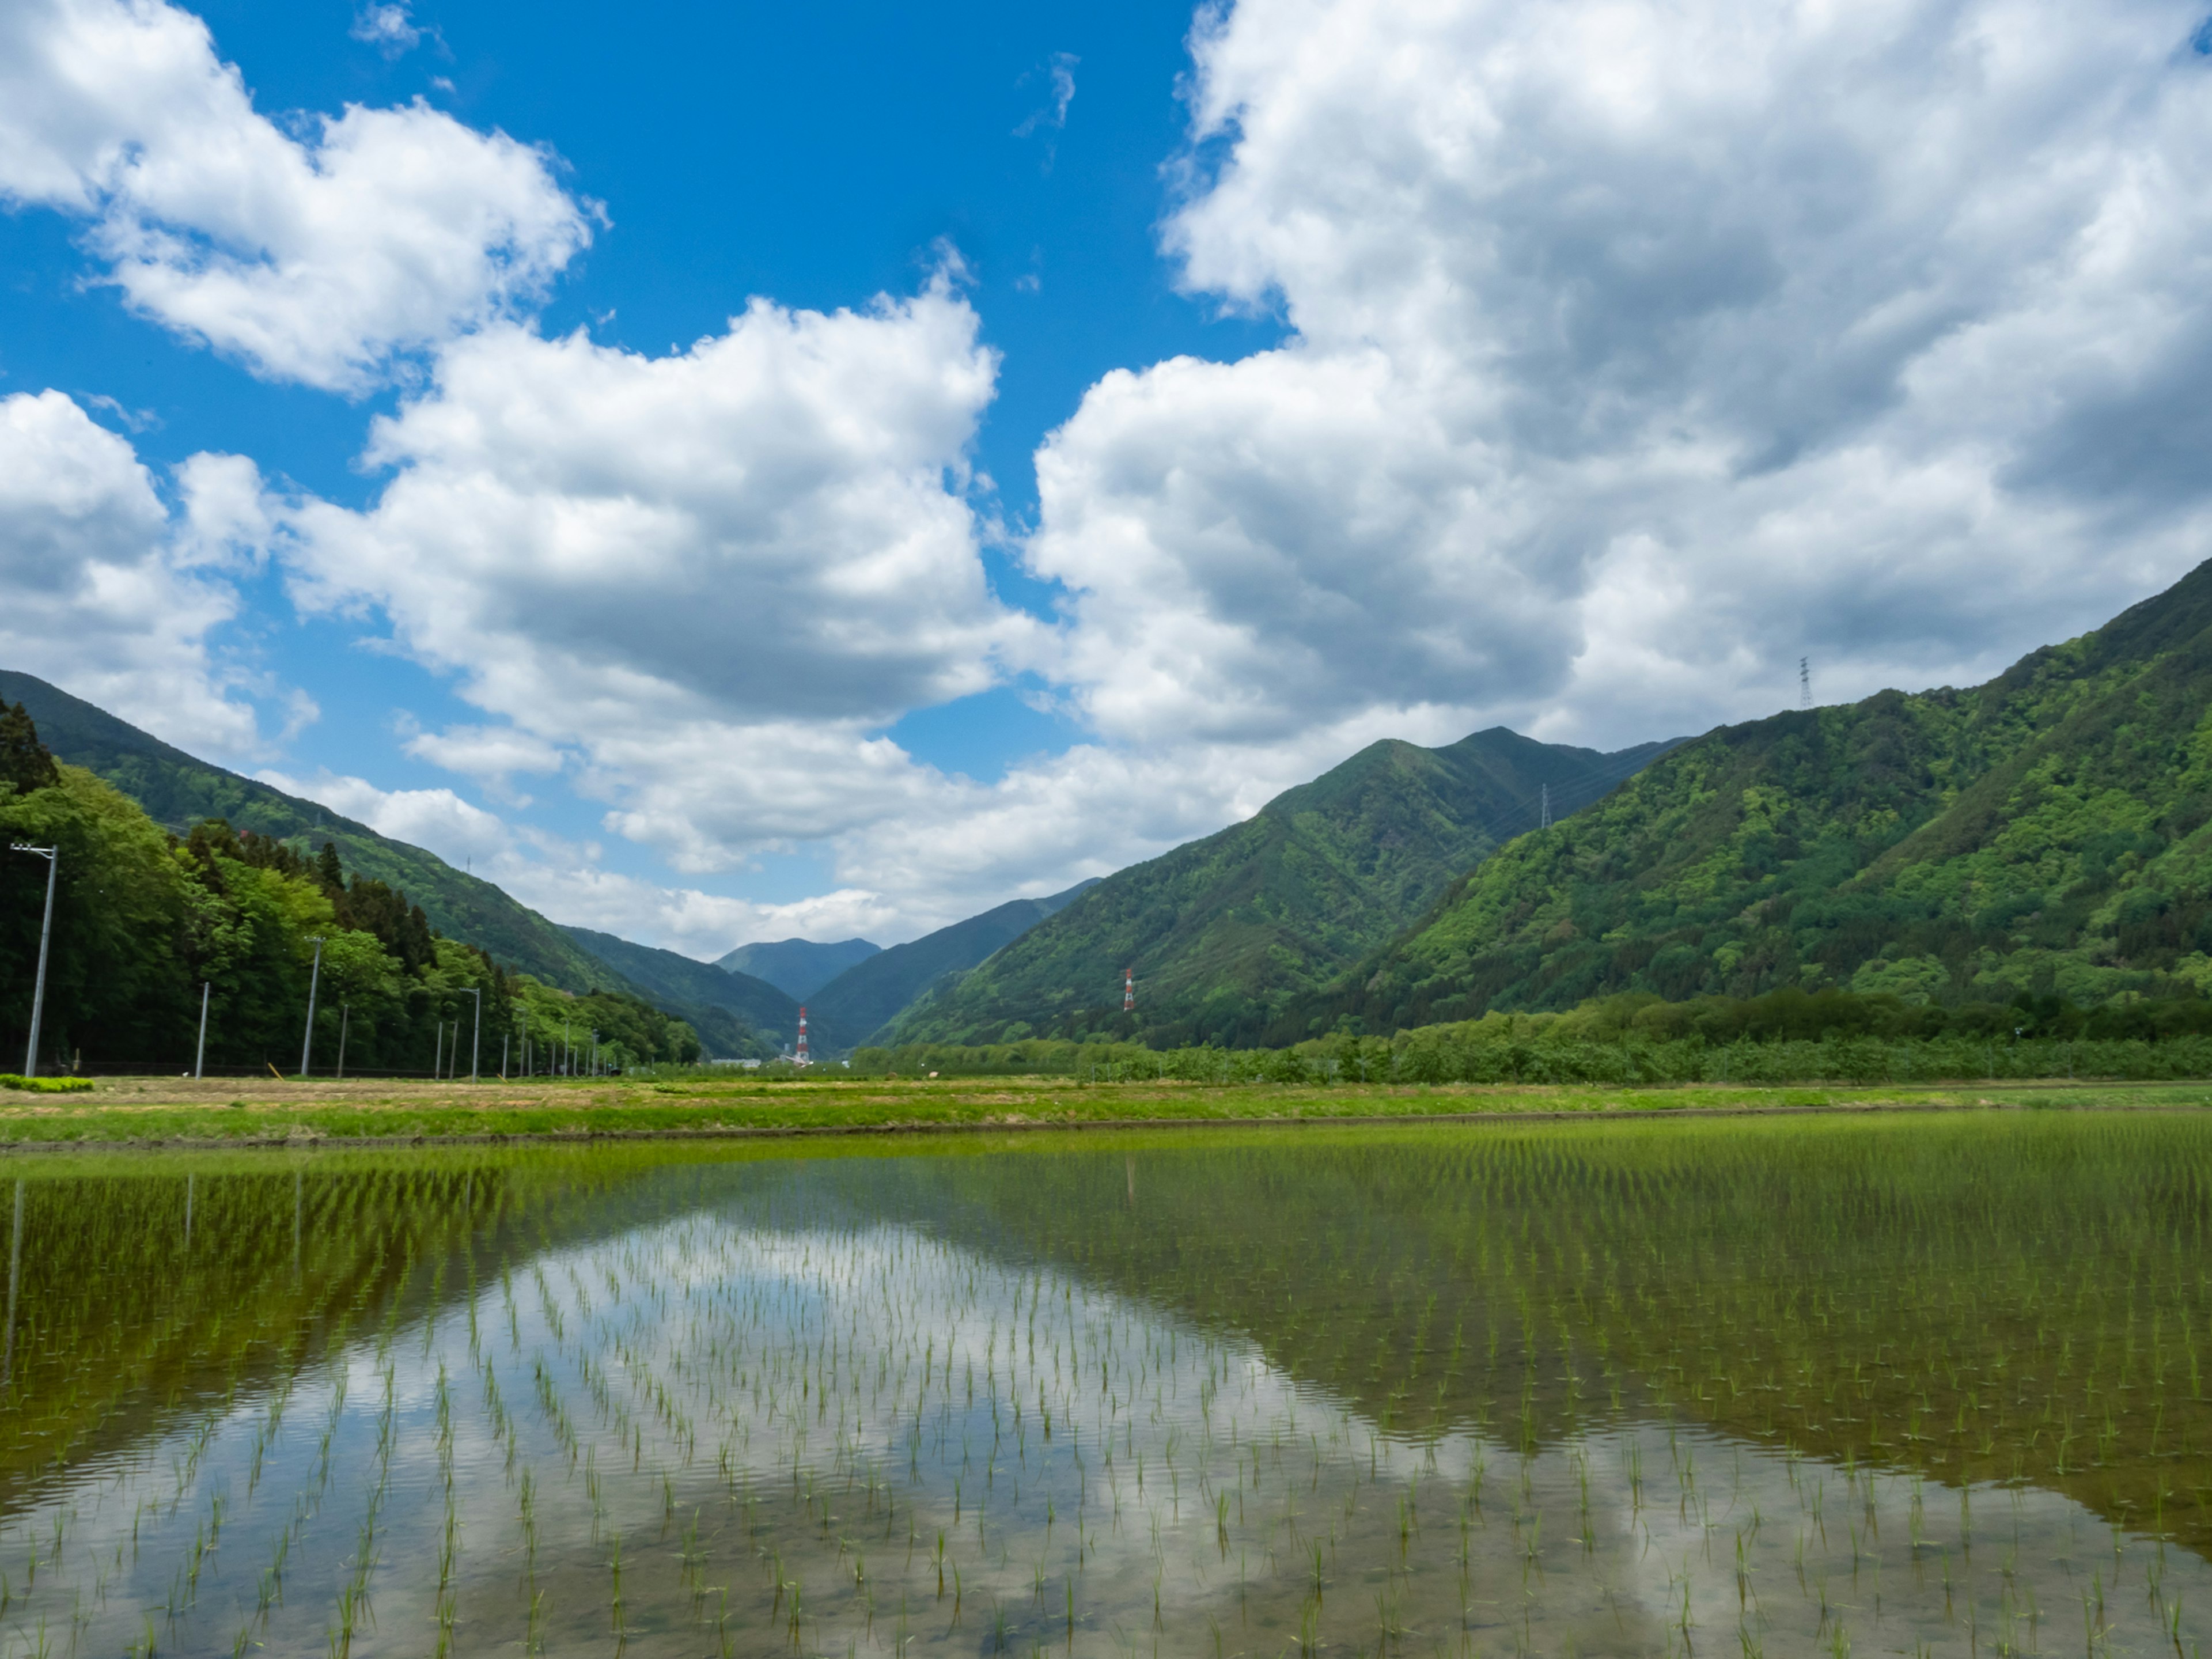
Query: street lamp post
{"x": 52, "y": 855}
{"x": 315, "y": 983}
{"x": 476, "y": 1037}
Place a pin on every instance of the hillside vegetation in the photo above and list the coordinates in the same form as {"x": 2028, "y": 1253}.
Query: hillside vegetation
{"x": 797, "y": 966}
{"x": 870, "y": 994}
{"x": 177, "y": 791}
{"x": 2044, "y": 835}
{"x": 144, "y": 919}
{"x": 737, "y": 1016}
{"x": 1226, "y": 933}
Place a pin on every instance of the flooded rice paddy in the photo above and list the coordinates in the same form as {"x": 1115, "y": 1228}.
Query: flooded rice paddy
{"x": 1919, "y": 1386}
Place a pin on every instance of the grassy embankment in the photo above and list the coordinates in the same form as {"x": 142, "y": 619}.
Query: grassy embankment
{"x": 142, "y": 1110}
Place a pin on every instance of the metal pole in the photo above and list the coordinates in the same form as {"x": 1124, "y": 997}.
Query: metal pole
{"x": 503, "y": 1058}
{"x": 476, "y": 1043}
{"x": 199, "y": 1059}
{"x": 314, "y": 982}
{"x": 52, "y": 855}
{"x": 345, "y": 1018}
{"x": 438, "y": 1054}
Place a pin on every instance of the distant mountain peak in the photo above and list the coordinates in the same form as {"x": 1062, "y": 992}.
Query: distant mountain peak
{"x": 797, "y": 966}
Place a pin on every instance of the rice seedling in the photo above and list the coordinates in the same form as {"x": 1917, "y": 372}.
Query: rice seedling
{"x": 1734, "y": 1368}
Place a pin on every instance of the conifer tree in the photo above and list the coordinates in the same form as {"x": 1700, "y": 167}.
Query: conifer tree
{"x": 24, "y": 761}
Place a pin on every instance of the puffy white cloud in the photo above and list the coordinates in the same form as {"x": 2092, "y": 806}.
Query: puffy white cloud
{"x": 705, "y": 577}
{"x": 314, "y": 256}
{"x": 101, "y": 595}
{"x": 700, "y": 924}
{"x": 566, "y": 882}
{"x": 1640, "y": 347}
{"x": 491, "y": 754}
{"x": 461, "y": 833}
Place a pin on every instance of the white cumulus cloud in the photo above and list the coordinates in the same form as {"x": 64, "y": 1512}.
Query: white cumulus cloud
{"x": 705, "y": 577}
{"x": 1639, "y": 348}
{"x": 315, "y": 253}
{"x": 101, "y": 591}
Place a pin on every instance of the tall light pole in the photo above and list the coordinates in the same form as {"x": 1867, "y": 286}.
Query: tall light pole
{"x": 52, "y": 855}
{"x": 476, "y": 1040}
{"x": 314, "y": 980}
{"x": 199, "y": 1056}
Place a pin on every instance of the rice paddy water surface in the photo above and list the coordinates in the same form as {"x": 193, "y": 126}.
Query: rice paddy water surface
{"x": 1926, "y": 1385}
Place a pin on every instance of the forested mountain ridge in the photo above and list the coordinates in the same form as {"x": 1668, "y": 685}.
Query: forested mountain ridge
{"x": 177, "y": 791}
{"x": 736, "y": 1016}
{"x": 797, "y": 966}
{"x": 2043, "y": 834}
{"x": 1227, "y": 932}
{"x": 870, "y": 994}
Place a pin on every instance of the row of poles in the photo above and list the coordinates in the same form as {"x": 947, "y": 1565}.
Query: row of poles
{"x": 54, "y": 858}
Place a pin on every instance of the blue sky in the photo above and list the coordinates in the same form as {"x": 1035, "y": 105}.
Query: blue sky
{"x": 1135, "y": 414}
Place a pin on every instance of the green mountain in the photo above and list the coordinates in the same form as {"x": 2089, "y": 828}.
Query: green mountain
{"x": 735, "y": 1015}
{"x": 870, "y": 994}
{"x": 177, "y": 791}
{"x": 2049, "y": 834}
{"x": 1225, "y": 935}
{"x": 797, "y": 966}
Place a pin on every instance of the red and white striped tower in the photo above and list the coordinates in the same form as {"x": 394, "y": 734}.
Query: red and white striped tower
{"x": 1129, "y": 990}
{"x": 802, "y": 1058}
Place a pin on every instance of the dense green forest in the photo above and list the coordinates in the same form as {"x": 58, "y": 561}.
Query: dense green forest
{"x": 2044, "y": 834}
{"x": 1226, "y": 932}
{"x": 144, "y": 917}
{"x": 177, "y": 790}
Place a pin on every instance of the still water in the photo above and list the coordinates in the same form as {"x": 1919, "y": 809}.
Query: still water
{"x": 1921, "y": 1386}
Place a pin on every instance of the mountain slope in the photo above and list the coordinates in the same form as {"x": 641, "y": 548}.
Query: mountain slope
{"x": 1226, "y": 932}
{"x": 871, "y": 993}
{"x": 797, "y": 966}
{"x": 735, "y": 1015}
{"x": 177, "y": 791}
{"x": 2044, "y": 834}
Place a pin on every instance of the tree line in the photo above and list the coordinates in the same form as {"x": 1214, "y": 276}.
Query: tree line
{"x": 1789, "y": 1036}
{"x": 144, "y": 919}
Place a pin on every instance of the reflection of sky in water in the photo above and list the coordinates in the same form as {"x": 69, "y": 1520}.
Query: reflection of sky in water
{"x": 705, "y": 1436}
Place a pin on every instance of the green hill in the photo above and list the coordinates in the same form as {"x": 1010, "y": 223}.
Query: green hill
{"x": 867, "y": 995}
{"x": 177, "y": 791}
{"x": 2044, "y": 834}
{"x": 1226, "y": 934}
{"x": 735, "y": 1015}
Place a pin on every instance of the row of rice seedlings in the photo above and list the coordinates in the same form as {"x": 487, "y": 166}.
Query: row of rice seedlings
{"x": 868, "y": 1433}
